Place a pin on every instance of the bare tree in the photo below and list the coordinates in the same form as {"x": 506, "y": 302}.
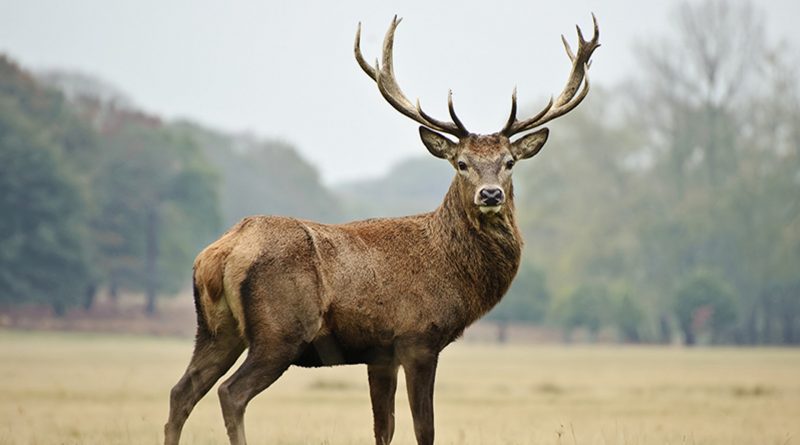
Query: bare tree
{"x": 694, "y": 81}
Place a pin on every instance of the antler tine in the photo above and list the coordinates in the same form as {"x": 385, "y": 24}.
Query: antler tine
{"x": 371, "y": 72}
{"x": 434, "y": 123}
{"x": 452, "y": 111}
{"x": 386, "y": 82}
{"x": 383, "y": 75}
{"x": 570, "y": 96}
{"x": 513, "y": 126}
{"x": 567, "y": 104}
{"x": 512, "y": 117}
{"x": 567, "y": 48}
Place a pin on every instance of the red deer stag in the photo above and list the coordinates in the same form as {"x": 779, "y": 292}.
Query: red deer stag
{"x": 382, "y": 292}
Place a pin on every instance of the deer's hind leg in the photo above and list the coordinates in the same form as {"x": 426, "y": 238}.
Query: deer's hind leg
{"x": 213, "y": 356}
{"x": 283, "y": 316}
{"x": 257, "y": 373}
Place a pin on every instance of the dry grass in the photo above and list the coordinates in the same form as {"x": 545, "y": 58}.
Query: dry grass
{"x": 92, "y": 389}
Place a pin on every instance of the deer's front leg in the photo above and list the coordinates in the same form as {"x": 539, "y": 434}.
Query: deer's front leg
{"x": 382, "y": 387}
{"x": 420, "y": 370}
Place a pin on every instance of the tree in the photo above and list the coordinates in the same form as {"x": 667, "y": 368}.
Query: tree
{"x": 704, "y": 303}
{"x": 586, "y": 307}
{"x": 157, "y": 204}
{"x": 696, "y": 79}
{"x": 43, "y": 244}
{"x": 627, "y": 315}
{"x": 527, "y": 300}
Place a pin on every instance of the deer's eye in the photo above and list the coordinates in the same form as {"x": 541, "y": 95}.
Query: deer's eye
{"x": 509, "y": 164}
{"x": 462, "y": 166}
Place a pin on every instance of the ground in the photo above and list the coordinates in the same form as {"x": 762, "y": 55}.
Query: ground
{"x": 70, "y": 388}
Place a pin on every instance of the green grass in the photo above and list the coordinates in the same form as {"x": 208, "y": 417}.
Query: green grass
{"x": 94, "y": 389}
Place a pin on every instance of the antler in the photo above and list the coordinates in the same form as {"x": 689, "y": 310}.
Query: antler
{"x": 567, "y": 100}
{"x": 384, "y": 77}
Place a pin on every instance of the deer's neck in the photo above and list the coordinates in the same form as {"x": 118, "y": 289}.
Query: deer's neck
{"x": 484, "y": 249}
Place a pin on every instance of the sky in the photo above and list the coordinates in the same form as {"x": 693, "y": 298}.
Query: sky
{"x": 286, "y": 70}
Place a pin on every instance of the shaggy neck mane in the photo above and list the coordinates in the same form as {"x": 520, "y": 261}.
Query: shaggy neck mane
{"x": 484, "y": 249}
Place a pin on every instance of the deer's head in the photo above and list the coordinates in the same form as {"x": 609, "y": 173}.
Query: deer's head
{"x": 483, "y": 162}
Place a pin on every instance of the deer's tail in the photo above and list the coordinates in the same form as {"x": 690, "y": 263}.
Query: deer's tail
{"x": 216, "y": 312}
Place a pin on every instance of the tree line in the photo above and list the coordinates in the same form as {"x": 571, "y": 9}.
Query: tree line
{"x": 95, "y": 194}
{"x": 665, "y": 208}
{"x": 669, "y": 207}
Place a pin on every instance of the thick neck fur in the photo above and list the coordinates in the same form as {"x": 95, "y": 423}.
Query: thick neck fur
{"x": 484, "y": 249}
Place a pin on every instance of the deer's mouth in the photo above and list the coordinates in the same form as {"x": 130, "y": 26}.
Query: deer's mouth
{"x": 490, "y": 209}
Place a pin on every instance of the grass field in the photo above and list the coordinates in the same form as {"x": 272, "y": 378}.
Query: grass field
{"x": 95, "y": 389}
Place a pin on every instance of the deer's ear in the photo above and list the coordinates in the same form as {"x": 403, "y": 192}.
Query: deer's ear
{"x": 438, "y": 145}
{"x": 530, "y": 144}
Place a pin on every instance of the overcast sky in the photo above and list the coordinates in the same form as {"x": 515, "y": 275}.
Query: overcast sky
{"x": 287, "y": 70}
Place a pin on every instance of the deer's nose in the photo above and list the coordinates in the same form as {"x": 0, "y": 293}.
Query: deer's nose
{"x": 491, "y": 196}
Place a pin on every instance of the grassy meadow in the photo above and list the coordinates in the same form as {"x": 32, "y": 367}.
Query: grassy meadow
{"x": 59, "y": 388}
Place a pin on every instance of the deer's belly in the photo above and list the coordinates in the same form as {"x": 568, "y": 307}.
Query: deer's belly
{"x": 328, "y": 350}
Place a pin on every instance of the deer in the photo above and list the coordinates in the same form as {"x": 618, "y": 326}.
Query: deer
{"x": 385, "y": 292}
